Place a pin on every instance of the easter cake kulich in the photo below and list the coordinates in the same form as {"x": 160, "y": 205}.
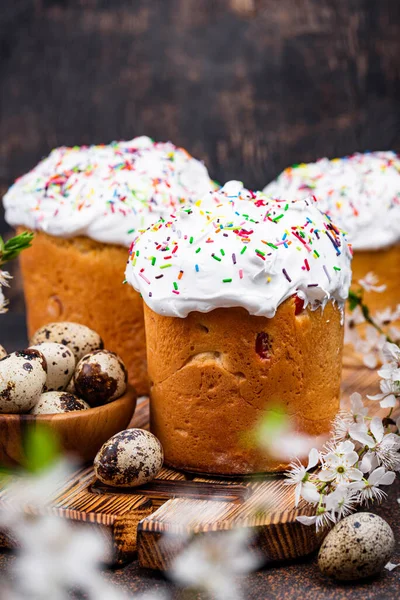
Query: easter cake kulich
{"x": 361, "y": 193}
{"x": 244, "y": 312}
{"x": 86, "y": 204}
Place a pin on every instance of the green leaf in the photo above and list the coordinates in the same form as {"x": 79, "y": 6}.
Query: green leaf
{"x": 354, "y": 300}
{"x": 12, "y": 247}
{"x": 41, "y": 448}
{"x": 365, "y": 312}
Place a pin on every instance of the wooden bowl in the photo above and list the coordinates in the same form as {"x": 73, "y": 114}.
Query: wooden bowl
{"x": 81, "y": 432}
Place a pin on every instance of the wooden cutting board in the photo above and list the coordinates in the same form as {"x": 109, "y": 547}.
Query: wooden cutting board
{"x": 180, "y": 504}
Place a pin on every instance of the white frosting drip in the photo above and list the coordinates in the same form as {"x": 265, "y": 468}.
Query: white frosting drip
{"x": 360, "y": 192}
{"x": 106, "y": 193}
{"x": 237, "y": 248}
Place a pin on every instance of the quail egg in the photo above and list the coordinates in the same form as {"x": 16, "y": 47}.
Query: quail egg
{"x": 79, "y": 338}
{"x": 3, "y": 352}
{"x": 71, "y": 386}
{"x": 51, "y": 403}
{"x": 22, "y": 380}
{"x": 60, "y": 365}
{"x": 100, "y": 377}
{"x": 358, "y": 546}
{"x": 130, "y": 458}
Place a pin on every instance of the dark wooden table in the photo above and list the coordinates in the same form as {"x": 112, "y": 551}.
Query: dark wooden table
{"x": 300, "y": 579}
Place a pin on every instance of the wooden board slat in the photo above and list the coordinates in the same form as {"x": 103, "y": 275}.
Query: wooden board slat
{"x": 155, "y": 520}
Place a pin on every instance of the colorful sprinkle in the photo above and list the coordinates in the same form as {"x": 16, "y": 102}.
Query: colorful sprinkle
{"x": 279, "y": 255}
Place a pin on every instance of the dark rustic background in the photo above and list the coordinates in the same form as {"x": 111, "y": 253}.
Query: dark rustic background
{"x": 249, "y": 86}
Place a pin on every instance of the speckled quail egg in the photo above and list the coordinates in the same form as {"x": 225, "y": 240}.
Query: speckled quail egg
{"x": 358, "y": 546}
{"x": 3, "y": 352}
{"x": 60, "y": 365}
{"x": 22, "y": 379}
{"x": 100, "y": 377}
{"x": 130, "y": 458}
{"x": 79, "y": 338}
{"x": 51, "y": 403}
{"x": 71, "y": 386}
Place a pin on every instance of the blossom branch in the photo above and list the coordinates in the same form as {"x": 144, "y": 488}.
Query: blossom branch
{"x": 357, "y": 299}
{"x": 368, "y": 333}
{"x": 362, "y": 456}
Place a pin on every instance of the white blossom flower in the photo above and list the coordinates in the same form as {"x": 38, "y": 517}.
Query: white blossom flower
{"x": 390, "y": 391}
{"x": 355, "y": 317}
{"x": 363, "y": 436}
{"x": 298, "y": 475}
{"x": 369, "y": 462}
{"x": 35, "y": 490}
{"x": 309, "y": 492}
{"x": 322, "y": 519}
{"x": 369, "y": 489}
{"x": 391, "y": 353}
{"x": 4, "y": 278}
{"x": 351, "y": 333}
{"x": 378, "y": 431}
{"x": 370, "y": 283}
{"x": 341, "y": 427}
{"x": 348, "y": 421}
{"x": 212, "y": 563}
{"x": 370, "y": 344}
{"x": 361, "y": 457}
{"x": 371, "y": 347}
{"x": 3, "y": 303}
{"x": 385, "y": 446}
{"x": 394, "y": 333}
{"x": 54, "y": 557}
{"x": 391, "y": 367}
{"x": 338, "y": 464}
{"x": 341, "y": 501}
{"x": 386, "y": 316}
{"x": 358, "y": 410}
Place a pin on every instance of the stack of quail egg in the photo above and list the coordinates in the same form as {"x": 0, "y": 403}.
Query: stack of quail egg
{"x": 65, "y": 368}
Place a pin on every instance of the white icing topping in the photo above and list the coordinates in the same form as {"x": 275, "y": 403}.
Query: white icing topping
{"x": 239, "y": 248}
{"x": 360, "y": 192}
{"x": 106, "y": 193}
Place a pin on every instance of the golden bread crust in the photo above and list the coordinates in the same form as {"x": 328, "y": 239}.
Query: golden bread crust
{"x": 81, "y": 280}
{"x": 209, "y": 386}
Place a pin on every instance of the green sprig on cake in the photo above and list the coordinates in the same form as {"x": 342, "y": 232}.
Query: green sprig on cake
{"x": 9, "y": 250}
{"x": 12, "y": 247}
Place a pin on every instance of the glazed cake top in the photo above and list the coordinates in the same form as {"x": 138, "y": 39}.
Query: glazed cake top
{"x": 105, "y": 192}
{"x": 360, "y": 192}
{"x": 239, "y": 248}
